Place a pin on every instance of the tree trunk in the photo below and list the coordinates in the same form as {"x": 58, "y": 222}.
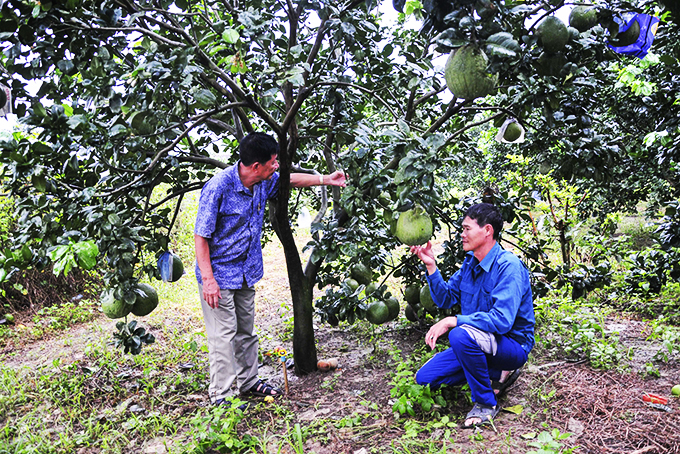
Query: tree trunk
{"x": 304, "y": 346}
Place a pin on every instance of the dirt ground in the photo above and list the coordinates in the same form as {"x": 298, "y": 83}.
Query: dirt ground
{"x": 603, "y": 410}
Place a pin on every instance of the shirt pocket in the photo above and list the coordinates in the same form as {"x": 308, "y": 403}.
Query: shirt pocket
{"x": 474, "y": 298}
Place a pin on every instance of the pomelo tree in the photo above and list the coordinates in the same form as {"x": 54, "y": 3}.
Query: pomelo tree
{"x": 122, "y": 96}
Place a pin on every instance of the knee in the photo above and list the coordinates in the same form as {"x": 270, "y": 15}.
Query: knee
{"x": 458, "y": 337}
{"x": 423, "y": 378}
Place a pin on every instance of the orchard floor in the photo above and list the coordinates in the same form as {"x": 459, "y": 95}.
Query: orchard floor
{"x": 349, "y": 410}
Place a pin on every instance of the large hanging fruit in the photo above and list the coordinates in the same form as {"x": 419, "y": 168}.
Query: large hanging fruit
{"x": 466, "y": 73}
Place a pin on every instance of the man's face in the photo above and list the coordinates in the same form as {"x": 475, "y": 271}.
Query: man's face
{"x": 473, "y": 235}
{"x": 266, "y": 170}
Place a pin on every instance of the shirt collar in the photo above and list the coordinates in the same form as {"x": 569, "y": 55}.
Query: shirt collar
{"x": 490, "y": 257}
{"x": 236, "y": 179}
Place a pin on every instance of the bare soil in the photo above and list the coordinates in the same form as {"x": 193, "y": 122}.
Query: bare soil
{"x": 603, "y": 410}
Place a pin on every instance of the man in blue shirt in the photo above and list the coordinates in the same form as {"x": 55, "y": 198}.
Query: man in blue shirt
{"x": 227, "y": 238}
{"x": 495, "y": 330}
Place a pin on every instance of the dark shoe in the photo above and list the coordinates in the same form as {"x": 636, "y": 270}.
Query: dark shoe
{"x": 482, "y": 412}
{"x": 263, "y": 389}
{"x": 232, "y": 403}
{"x": 499, "y": 388}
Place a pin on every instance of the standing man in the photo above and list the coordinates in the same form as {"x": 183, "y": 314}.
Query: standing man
{"x": 227, "y": 237}
{"x": 495, "y": 330}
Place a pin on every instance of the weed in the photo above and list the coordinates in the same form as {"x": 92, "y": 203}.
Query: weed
{"x": 652, "y": 371}
{"x": 410, "y": 395}
{"x": 549, "y": 442}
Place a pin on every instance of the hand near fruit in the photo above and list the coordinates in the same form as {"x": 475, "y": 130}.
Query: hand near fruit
{"x": 439, "y": 328}
{"x": 426, "y": 255}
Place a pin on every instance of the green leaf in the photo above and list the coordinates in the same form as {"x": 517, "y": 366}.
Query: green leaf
{"x": 87, "y": 252}
{"x": 230, "y": 35}
{"x": 516, "y": 409}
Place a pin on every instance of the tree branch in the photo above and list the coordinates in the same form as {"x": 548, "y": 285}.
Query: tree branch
{"x": 360, "y": 88}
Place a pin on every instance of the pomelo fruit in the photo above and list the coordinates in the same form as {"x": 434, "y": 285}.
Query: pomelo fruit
{"x": 675, "y": 390}
{"x": 553, "y": 34}
{"x": 361, "y": 273}
{"x": 627, "y": 37}
{"x": 170, "y": 266}
{"x": 393, "y": 307}
{"x": 466, "y": 73}
{"x": 410, "y": 313}
{"x": 147, "y": 300}
{"x": 112, "y": 307}
{"x": 352, "y": 284}
{"x": 550, "y": 64}
{"x": 573, "y": 34}
{"x": 9, "y": 317}
{"x": 426, "y": 299}
{"x": 513, "y": 131}
{"x": 371, "y": 288}
{"x": 414, "y": 227}
{"x": 378, "y": 313}
{"x": 412, "y": 294}
{"x": 583, "y": 17}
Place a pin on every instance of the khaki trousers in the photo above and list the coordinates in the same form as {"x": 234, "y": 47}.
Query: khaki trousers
{"x": 232, "y": 342}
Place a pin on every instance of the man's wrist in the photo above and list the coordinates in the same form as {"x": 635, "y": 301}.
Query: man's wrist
{"x": 321, "y": 180}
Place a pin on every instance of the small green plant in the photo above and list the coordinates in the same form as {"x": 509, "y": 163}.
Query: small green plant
{"x": 131, "y": 338}
{"x": 410, "y": 395}
{"x": 652, "y": 371}
{"x": 549, "y": 442}
{"x": 216, "y": 429}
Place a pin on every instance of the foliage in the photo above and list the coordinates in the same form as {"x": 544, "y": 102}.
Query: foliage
{"x": 130, "y": 338}
{"x": 410, "y": 396}
{"x": 549, "y": 442}
{"x": 135, "y": 96}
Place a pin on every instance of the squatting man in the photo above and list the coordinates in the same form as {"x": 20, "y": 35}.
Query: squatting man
{"x": 494, "y": 333}
{"x": 227, "y": 237}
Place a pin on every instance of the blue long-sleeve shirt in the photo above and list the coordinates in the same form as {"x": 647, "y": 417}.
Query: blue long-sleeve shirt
{"x": 494, "y": 295}
{"x": 230, "y": 216}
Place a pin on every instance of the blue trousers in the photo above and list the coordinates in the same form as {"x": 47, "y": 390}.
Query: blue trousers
{"x": 466, "y": 362}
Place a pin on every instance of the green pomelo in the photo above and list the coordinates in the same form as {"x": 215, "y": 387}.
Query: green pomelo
{"x": 393, "y": 307}
{"x": 112, "y": 307}
{"x": 384, "y": 199}
{"x": 378, "y": 313}
{"x": 628, "y": 37}
{"x": 675, "y": 390}
{"x": 583, "y": 18}
{"x": 466, "y": 73}
{"x": 513, "y": 131}
{"x": 410, "y": 313}
{"x": 361, "y": 273}
{"x": 177, "y": 267}
{"x": 550, "y": 64}
{"x": 414, "y": 227}
{"x": 412, "y": 294}
{"x": 371, "y": 288}
{"x": 574, "y": 34}
{"x": 147, "y": 300}
{"x": 352, "y": 284}
{"x": 426, "y": 299}
{"x": 9, "y": 317}
{"x": 552, "y": 34}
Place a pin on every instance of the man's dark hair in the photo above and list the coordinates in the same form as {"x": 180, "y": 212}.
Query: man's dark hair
{"x": 485, "y": 213}
{"x": 257, "y": 147}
